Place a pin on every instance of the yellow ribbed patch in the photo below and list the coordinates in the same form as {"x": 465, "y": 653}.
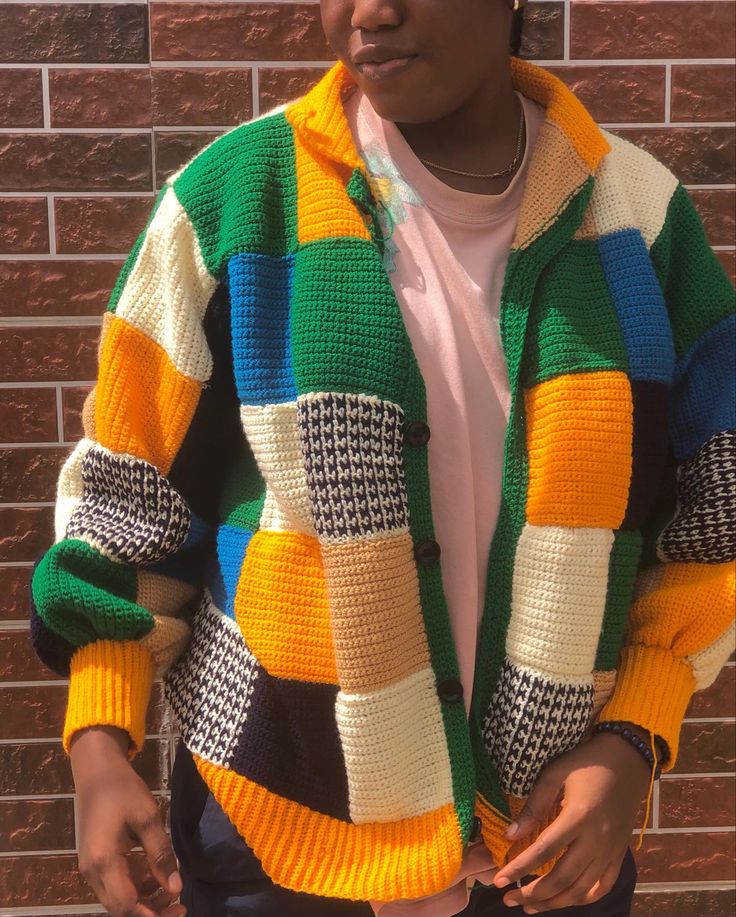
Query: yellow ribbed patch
{"x": 109, "y": 685}
{"x": 310, "y": 852}
{"x": 281, "y": 606}
{"x": 579, "y": 440}
{"x": 685, "y": 606}
{"x": 324, "y": 209}
{"x": 144, "y": 405}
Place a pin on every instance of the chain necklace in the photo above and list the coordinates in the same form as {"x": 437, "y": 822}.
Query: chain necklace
{"x": 481, "y": 174}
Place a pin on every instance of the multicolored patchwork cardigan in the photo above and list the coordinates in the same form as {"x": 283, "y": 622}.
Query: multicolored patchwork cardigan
{"x": 246, "y": 518}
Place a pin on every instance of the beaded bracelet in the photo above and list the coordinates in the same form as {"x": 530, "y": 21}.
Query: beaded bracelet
{"x": 639, "y": 744}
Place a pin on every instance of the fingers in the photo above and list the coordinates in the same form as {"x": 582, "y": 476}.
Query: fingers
{"x": 596, "y": 880}
{"x": 564, "y": 874}
{"x": 555, "y": 837}
{"x": 109, "y": 877}
{"x": 537, "y": 809}
{"x": 150, "y": 832}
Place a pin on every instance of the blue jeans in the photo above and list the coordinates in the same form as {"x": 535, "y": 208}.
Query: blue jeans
{"x": 223, "y": 878}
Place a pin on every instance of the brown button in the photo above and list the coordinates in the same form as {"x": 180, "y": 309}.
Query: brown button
{"x": 416, "y": 433}
{"x": 450, "y": 690}
{"x": 475, "y": 831}
{"x": 427, "y": 553}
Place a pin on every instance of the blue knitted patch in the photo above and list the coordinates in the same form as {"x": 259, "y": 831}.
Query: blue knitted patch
{"x": 260, "y": 293}
{"x": 640, "y": 305}
{"x": 232, "y": 544}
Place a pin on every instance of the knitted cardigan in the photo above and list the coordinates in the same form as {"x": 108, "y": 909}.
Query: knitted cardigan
{"x": 245, "y": 518}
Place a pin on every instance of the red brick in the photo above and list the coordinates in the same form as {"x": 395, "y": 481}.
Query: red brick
{"x": 663, "y": 28}
{"x": 69, "y": 32}
{"x": 202, "y": 96}
{"x": 24, "y": 225}
{"x": 697, "y": 155}
{"x": 728, "y": 260}
{"x": 100, "y": 98}
{"x": 56, "y": 287}
{"x": 717, "y": 209}
{"x": 75, "y": 162}
{"x": 25, "y": 533}
{"x": 277, "y": 85}
{"x": 49, "y": 353}
{"x": 700, "y": 802}
{"x": 72, "y": 402}
{"x": 704, "y": 856}
{"x": 18, "y": 661}
{"x": 30, "y": 475}
{"x": 39, "y": 824}
{"x": 99, "y": 225}
{"x": 706, "y": 748}
{"x": 21, "y": 98}
{"x": 718, "y": 699}
{"x": 43, "y": 881}
{"x": 237, "y": 31}
{"x": 14, "y": 594}
{"x": 44, "y": 768}
{"x": 544, "y": 31}
{"x": 175, "y": 149}
{"x": 703, "y": 92}
{"x": 683, "y": 903}
{"x": 28, "y": 415}
{"x": 617, "y": 94}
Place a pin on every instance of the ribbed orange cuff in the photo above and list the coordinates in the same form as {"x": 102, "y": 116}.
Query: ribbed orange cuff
{"x": 653, "y": 689}
{"x": 110, "y": 685}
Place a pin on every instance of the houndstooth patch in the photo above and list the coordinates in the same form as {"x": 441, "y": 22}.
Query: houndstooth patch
{"x": 210, "y": 686}
{"x": 129, "y": 511}
{"x": 530, "y": 720}
{"x": 704, "y": 527}
{"x": 352, "y": 454}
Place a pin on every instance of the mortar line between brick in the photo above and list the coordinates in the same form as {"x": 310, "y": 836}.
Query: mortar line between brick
{"x": 566, "y": 29}
{"x": 668, "y": 93}
{"x": 51, "y": 216}
{"x": 45, "y": 96}
{"x": 59, "y": 413}
{"x": 255, "y": 91}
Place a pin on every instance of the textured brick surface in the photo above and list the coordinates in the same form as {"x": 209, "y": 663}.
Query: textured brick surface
{"x": 662, "y": 28}
{"x": 99, "y": 225}
{"x": 703, "y": 92}
{"x": 75, "y": 162}
{"x": 60, "y": 32}
{"x": 21, "y": 99}
{"x": 85, "y": 155}
{"x": 94, "y": 97}
{"x": 201, "y": 96}
{"x": 14, "y": 593}
{"x": 28, "y": 415}
{"x": 24, "y": 225}
{"x": 56, "y": 288}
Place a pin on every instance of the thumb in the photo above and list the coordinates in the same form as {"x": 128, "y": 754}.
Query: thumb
{"x": 537, "y": 808}
{"x": 160, "y": 854}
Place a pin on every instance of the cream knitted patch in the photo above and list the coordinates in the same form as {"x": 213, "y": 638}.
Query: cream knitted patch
{"x": 395, "y": 751}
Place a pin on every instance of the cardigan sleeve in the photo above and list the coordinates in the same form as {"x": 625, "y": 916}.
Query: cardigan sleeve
{"x": 680, "y": 628}
{"x": 136, "y": 501}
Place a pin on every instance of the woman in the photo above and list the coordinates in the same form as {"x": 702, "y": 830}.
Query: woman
{"x": 433, "y": 266}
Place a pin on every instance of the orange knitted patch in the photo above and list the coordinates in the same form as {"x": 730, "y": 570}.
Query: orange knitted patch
{"x": 144, "y": 405}
{"x": 281, "y": 606}
{"x": 579, "y": 439}
{"x": 308, "y": 851}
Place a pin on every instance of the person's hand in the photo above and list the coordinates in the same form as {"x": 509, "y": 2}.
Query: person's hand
{"x": 116, "y": 812}
{"x": 599, "y": 787}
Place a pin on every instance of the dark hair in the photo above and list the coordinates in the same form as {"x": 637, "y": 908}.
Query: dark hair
{"x": 517, "y": 26}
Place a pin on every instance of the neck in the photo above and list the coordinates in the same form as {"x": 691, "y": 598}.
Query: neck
{"x": 478, "y": 136}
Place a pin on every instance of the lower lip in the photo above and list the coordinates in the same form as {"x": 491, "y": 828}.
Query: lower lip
{"x": 376, "y": 72}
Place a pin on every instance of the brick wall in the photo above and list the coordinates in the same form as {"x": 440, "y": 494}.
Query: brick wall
{"x": 99, "y": 101}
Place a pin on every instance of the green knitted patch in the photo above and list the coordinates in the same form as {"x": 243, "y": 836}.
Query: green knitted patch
{"x": 240, "y": 192}
{"x": 622, "y": 568}
{"x": 347, "y": 331}
{"x": 243, "y": 492}
{"x": 573, "y": 326}
{"x": 689, "y": 272}
{"x": 83, "y": 596}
